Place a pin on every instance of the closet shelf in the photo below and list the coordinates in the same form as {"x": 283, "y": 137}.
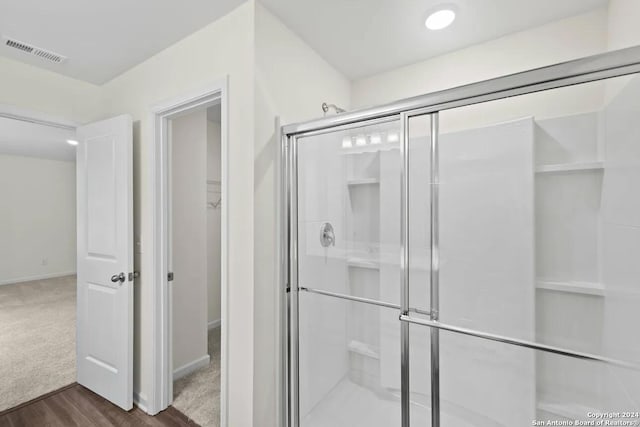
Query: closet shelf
{"x": 363, "y": 349}
{"x": 584, "y": 288}
{"x": 570, "y": 167}
{"x": 364, "y": 181}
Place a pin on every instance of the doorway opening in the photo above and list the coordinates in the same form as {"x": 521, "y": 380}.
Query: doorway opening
{"x": 194, "y": 141}
{"x": 68, "y": 259}
{"x": 190, "y": 253}
{"x": 37, "y": 259}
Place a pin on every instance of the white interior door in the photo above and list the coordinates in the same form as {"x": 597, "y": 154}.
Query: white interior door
{"x": 105, "y": 259}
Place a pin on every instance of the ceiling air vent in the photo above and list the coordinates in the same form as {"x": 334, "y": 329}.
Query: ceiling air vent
{"x": 47, "y": 55}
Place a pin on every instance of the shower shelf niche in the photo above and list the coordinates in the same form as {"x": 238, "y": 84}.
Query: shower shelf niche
{"x": 363, "y": 349}
{"x": 584, "y": 288}
{"x": 569, "y": 177}
{"x": 363, "y": 263}
{"x": 363, "y": 181}
{"x": 570, "y": 167}
{"x": 376, "y": 148}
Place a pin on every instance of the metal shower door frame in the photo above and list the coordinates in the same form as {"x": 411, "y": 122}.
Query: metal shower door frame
{"x": 598, "y": 67}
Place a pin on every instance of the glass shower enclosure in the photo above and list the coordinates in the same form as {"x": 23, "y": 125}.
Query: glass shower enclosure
{"x": 468, "y": 257}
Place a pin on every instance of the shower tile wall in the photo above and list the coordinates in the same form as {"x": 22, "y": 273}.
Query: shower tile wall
{"x": 324, "y": 361}
{"x": 621, "y": 243}
{"x": 340, "y": 340}
{"x": 487, "y": 270}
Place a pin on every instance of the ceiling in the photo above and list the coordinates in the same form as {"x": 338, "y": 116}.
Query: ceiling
{"x": 365, "y": 37}
{"x": 22, "y": 138}
{"x": 102, "y": 39}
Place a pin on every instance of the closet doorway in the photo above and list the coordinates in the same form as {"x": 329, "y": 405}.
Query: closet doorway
{"x": 189, "y": 255}
{"x": 194, "y": 142}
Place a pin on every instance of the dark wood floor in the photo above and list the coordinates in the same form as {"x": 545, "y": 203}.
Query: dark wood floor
{"x": 76, "y": 406}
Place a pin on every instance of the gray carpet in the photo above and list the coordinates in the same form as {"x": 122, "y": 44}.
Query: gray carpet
{"x": 37, "y": 338}
{"x": 198, "y": 395}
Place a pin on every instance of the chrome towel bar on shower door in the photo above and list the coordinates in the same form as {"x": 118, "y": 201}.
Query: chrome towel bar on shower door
{"x": 518, "y": 342}
{"x": 362, "y": 300}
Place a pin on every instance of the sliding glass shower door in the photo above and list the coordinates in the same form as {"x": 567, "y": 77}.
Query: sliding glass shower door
{"x": 474, "y": 265}
{"x": 471, "y": 265}
{"x": 348, "y": 274}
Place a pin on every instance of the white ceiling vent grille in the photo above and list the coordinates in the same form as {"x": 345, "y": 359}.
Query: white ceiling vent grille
{"x": 47, "y": 55}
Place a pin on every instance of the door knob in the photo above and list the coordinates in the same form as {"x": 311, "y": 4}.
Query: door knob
{"x": 118, "y": 278}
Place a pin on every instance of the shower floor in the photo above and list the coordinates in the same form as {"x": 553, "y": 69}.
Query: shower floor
{"x": 351, "y": 405}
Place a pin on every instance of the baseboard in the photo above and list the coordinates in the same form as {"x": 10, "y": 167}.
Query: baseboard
{"x": 190, "y": 367}
{"x": 214, "y": 323}
{"x": 38, "y": 277}
{"x": 140, "y": 402}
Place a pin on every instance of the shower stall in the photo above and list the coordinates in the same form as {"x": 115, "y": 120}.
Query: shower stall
{"x": 469, "y": 257}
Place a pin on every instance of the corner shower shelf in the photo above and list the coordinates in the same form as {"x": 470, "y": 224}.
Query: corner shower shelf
{"x": 363, "y": 181}
{"x": 363, "y": 349}
{"x": 363, "y": 263}
{"x": 584, "y": 288}
{"x": 570, "y": 167}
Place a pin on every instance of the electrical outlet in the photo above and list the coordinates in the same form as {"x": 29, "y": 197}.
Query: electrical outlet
{"x": 45, "y": 261}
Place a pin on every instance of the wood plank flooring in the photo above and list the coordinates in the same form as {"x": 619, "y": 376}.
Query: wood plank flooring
{"x": 75, "y": 405}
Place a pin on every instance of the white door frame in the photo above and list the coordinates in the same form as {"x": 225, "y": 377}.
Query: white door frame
{"x": 8, "y": 111}
{"x": 162, "y": 369}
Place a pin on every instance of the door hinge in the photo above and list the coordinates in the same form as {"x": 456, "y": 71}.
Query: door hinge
{"x": 170, "y": 276}
{"x": 134, "y": 275}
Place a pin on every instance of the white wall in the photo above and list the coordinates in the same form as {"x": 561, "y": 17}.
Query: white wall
{"x": 223, "y": 48}
{"x": 623, "y": 31}
{"x": 213, "y": 222}
{"x": 33, "y": 88}
{"x": 189, "y": 240}
{"x": 623, "y": 24}
{"x": 291, "y": 81}
{"x": 37, "y": 218}
{"x": 559, "y": 41}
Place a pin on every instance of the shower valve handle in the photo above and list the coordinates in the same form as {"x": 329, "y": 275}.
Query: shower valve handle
{"x": 327, "y": 236}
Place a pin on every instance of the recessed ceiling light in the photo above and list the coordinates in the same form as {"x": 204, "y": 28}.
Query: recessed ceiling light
{"x": 72, "y": 142}
{"x": 440, "y": 19}
{"x": 392, "y": 137}
{"x": 361, "y": 140}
